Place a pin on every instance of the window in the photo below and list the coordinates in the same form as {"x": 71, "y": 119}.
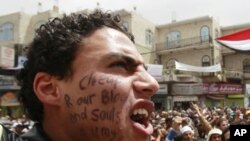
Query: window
{"x": 246, "y": 65}
{"x": 170, "y": 63}
{"x": 149, "y": 37}
{"x": 170, "y": 68}
{"x": 173, "y": 39}
{"x": 205, "y": 60}
{"x": 6, "y": 32}
{"x": 204, "y": 34}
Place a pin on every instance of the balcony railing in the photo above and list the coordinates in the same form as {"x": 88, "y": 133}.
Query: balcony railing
{"x": 228, "y": 73}
{"x": 188, "y": 42}
{"x": 179, "y": 72}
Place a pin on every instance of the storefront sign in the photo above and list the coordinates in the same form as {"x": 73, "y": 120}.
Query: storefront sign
{"x": 7, "y": 56}
{"x": 185, "y": 98}
{"x": 9, "y": 99}
{"x": 248, "y": 90}
{"x": 8, "y": 83}
{"x": 163, "y": 89}
{"x": 222, "y": 88}
{"x": 187, "y": 89}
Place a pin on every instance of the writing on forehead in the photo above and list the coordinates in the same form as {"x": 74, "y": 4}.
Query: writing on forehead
{"x": 91, "y": 80}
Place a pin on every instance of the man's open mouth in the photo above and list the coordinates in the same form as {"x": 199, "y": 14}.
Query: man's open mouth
{"x": 140, "y": 116}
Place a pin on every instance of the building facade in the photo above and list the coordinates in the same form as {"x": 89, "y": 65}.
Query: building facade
{"x": 193, "y": 42}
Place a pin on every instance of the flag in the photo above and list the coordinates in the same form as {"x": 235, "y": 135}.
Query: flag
{"x": 237, "y": 41}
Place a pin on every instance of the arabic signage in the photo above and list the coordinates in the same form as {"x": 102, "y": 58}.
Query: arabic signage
{"x": 215, "y": 88}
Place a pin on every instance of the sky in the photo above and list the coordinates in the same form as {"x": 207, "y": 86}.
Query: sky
{"x": 226, "y": 12}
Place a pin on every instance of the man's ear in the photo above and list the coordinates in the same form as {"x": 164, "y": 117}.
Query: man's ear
{"x": 46, "y": 89}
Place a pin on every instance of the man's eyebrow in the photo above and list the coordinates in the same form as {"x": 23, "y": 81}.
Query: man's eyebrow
{"x": 130, "y": 60}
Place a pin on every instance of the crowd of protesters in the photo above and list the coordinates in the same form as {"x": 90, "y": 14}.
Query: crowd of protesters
{"x": 191, "y": 124}
{"x": 18, "y": 125}
{"x": 197, "y": 124}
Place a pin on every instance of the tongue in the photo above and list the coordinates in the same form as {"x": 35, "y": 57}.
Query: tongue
{"x": 148, "y": 129}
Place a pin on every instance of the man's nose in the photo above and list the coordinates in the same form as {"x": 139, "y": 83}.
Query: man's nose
{"x": 145, "y": 85}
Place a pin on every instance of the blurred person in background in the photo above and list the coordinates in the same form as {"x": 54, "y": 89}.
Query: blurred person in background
{"x": 174, "y": 131}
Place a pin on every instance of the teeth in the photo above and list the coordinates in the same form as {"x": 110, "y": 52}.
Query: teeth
{"x": 141, "y": 111}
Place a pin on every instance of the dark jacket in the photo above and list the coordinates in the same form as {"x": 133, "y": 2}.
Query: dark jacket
{"x": 35, "y": 134}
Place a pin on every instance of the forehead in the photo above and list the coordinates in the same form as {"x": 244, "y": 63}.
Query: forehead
{"x": 103, "y": 42}
{"x": 110, "y": 40}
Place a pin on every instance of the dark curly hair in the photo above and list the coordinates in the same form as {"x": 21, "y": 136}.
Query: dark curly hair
{"x": 53, "y": 51}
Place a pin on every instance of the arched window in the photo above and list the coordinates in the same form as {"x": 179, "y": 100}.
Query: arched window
{"x": 149, "y": 37}
{"x": 246, "y": 65}
{"x": 205, "y": 60}
{"x": 173, "y": 39}
{"x": 6, "y": 32}
{"x": 204, "y": 34}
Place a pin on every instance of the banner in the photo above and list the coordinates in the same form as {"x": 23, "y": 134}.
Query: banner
{"x": 185, "y": 67}
{"x": 154, "y": 69}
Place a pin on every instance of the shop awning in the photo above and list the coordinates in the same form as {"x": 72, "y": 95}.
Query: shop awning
{"x": 216, "y": 96}
{"x": 185, "y": 98}
{"x": 236, "y": 96}
{"x": 237, "y": 41}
